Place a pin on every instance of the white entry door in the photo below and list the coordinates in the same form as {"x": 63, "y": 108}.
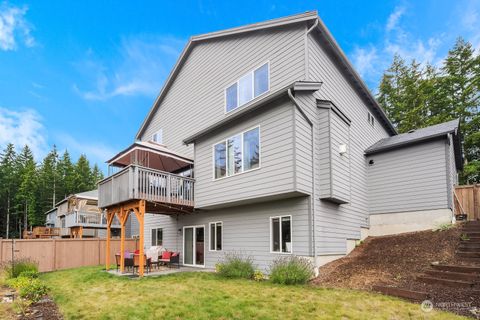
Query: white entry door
{"x": 194, "y": 246}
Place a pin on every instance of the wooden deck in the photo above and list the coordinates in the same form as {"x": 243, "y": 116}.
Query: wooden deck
{"x": 163, "y": 192}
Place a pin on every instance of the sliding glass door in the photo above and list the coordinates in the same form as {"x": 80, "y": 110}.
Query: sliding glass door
{"x": 194, "y": 246}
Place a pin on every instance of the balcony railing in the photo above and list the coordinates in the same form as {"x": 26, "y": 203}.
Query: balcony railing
{"x": 136, "y": 182}
{"x": 89, "y": 219}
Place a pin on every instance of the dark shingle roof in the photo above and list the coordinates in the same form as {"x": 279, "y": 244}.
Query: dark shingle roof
{"x": 414, "y": 136}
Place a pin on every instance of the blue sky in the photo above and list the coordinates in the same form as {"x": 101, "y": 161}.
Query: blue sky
{"x": 83, "y": 74}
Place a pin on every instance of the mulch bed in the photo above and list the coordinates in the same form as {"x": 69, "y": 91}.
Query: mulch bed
{"x": 45, "y": 309}
{"x": 397, "y": 261}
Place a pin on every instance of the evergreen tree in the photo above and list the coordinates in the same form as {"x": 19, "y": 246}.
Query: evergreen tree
{"x": 7, "y": 189}
{"x": 26, "y": 194}
{"x": 66, "y": 174}
{"x": 47, "y": 180}
{"x": 97, "y": 175}
{"x": 83, "y": 175}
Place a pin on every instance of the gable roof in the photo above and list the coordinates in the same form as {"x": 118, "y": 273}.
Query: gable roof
{"x": 421, "y": 135}
{"x": 310, "y": 16}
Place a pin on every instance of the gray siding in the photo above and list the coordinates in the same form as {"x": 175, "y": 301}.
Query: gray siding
{"x": 276, "y": 173}
{"x": 334, "y": 168}
{"x": 303, "y": 153}
{"x": 246, "y": 229}
{"x": 131, "y": 226}
{"x": 336, "y": 223}
{"x": 409, "y": 179}
{"x": 196, "y": 98}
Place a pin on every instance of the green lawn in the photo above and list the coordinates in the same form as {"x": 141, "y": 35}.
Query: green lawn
{"x": 89, "y": 293}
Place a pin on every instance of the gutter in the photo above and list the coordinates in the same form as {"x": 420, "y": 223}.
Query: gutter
{"x": 312, "y": 198}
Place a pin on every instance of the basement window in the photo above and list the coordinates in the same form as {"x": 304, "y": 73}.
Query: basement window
{"x": 281, "y": 234}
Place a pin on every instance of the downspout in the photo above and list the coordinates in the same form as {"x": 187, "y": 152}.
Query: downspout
{"x": 307, "y": 65}
{"x": 312, "y": 198}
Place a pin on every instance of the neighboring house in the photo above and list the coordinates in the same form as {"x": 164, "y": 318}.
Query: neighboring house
{"x": 78, "y": 216}
{"x": 264, "y": 140}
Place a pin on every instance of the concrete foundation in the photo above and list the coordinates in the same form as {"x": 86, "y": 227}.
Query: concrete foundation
{"x": 401, "y": 222}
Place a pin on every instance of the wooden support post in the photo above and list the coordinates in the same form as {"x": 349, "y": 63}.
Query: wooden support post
{"x": 140, "y": 213}
{"x": 80, "y": 232}
{"x": 123, "y": 219}
{"x": 110, "y": 215}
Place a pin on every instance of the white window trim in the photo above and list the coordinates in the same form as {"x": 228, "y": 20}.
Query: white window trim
{"x": 210, "y": 236}
{"x": 226, "y": 163}
{"x": 156, "y": 235}
{"x": 253, "y": 88}
{"x": 156, "y": 132}
{"x": 271, "y": 234}
{"x": 194, "y": 251}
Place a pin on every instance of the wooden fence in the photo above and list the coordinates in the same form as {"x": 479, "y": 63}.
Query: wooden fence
{"x": 57, "y": 254}
{"x": 467, "y": 200}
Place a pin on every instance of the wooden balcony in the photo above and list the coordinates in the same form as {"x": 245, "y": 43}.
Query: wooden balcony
{"x": 97, "y": 220}
{"x": 164, "y": 192}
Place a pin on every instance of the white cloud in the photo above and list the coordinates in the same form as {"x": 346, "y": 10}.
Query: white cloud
{"x": 372, "y": 59}
{"x": 365, "y": 60}
{"x": 14, "y": 27}
{"x": 95, "y": 151}
{"x": 23, "y": 128}
{"x": 140, "y": 67}
{"x": 393, "y": 19}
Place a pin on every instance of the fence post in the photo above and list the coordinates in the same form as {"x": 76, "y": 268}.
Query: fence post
{"x": 54, "y": 246}
{"x": 476, "y": 205}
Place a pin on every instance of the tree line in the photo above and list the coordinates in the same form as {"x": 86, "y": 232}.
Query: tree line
{"x": 29, "y": 189}
{"x": 415, "y": 96}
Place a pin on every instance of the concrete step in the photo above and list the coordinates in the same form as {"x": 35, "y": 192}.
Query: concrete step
{"x": 466, "y": 254}
{"x": 475, "y": 278}
{"x": 457, "y": 268}
{"x": 446, "y": 282}
{"x": 402, "y": 293}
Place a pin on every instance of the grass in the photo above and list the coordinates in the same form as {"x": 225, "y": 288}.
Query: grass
{"x": 89, "y": 293}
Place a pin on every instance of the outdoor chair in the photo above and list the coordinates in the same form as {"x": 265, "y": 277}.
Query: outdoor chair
{"x": 170, "y": 258}
{"x": 136, "y": 263}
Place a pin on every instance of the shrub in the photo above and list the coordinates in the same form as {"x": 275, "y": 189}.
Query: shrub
{"x": 20, "y": 266}
{"x": 29, "y": 274}
{"x": 443, "y": 227}
{"x": 258, "y": 275}
{"x": 291, "y": 270}
{"x": 236, "y": 265}
{"x": 32, "y": 289}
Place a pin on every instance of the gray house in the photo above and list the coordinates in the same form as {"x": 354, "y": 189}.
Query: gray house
{"x": 265, "y": 140}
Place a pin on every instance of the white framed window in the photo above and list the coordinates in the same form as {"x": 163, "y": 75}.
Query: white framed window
{"x": 157, "y": 237}
{"x": 371, "y": 119}
{"x": 237, "y": 154}
{"x": 216, "y": 236}
{"x": 158, "y": 136}
{"x": 281, "y": 234}
{"x": 248, "y": 87}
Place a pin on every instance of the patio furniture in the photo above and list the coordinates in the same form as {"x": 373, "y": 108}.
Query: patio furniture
{"x": 153, "y": 254}
{"x": 170, "y": 258}
{"x": 128, "y": 263}
{"x": 136, "y": 262}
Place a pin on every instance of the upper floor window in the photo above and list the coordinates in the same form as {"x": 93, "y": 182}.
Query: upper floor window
{"x": 158, "y": 136}
{"x": 371, "y": 119}
{"x": 248, "y": 87}
{"x": 237, "y": 154}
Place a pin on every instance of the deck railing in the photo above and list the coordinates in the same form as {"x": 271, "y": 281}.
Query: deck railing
{"x": 136, "y": 182}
